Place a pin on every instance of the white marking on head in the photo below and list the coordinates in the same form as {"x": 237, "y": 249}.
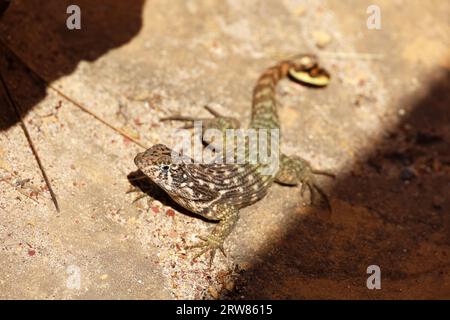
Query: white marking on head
{"x": 168, "y": 185}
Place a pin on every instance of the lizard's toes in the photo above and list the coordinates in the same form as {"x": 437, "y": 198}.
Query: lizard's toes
{"x": 209, "y": 243}
{"x": 316, "y": 195}
{"x": 133, "y": 189}
{"x": 141, "y": 195}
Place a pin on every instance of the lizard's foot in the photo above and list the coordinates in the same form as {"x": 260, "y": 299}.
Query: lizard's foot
{"x": 295, "y": 170}
{"x": 209, "y": 243}
{"x": 227, "y": 217}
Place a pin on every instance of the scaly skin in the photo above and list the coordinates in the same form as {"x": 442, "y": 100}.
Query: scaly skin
{"x": 218, "y": 191}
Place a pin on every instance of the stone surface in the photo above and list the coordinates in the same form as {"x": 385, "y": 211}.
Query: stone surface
{"x": 385, "y": 113}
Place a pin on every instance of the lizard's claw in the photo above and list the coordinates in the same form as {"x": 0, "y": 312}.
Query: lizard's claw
{"x": 210, "y": 243}
{"x": 136, "y": 190}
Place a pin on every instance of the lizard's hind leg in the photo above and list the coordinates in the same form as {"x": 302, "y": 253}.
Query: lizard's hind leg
{"x": 295, "y": 170}
{"x": 227, "y": 217}
{"x": 219, "y": 122}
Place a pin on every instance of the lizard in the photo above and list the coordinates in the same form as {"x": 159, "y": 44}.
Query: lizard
{"x": 217, "y": 191}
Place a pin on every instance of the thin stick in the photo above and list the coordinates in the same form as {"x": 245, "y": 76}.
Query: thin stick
{"x": 13, "y": 104}
{"x": 335, "y": 55}
{"x": 77, "y": 104}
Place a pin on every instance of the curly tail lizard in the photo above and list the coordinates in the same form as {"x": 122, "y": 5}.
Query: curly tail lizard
{"x": 217, "y": 191}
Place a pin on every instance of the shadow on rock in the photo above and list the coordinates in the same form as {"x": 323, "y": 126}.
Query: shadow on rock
{"x": 36, "y": 31}
{"x": 393, "y": 211}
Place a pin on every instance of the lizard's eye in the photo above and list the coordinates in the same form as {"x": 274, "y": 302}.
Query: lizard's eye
{"x": 165, "y": 168}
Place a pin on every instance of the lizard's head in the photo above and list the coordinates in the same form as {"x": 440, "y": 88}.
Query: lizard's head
{"x": 305, "y": 69}
{"x": 158, "y": 164}
{"x": 172, "y": 172}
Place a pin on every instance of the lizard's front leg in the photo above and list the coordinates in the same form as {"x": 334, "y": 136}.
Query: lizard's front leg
{"x": 227, "y": 216}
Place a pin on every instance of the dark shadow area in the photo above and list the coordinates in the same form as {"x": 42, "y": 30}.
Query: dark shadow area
{"x": 36, "y": 31}
{"x": 4, "y": 4}
{"x": 394, "y": 213}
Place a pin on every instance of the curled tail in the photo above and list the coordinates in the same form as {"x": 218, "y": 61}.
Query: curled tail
{"x": 303, "y": 69}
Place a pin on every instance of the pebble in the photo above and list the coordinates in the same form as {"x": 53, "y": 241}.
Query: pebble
{"x": 407, "y": 174}
{"x": 229, "y": 285}
{"x": 157, "y": 204}
{"x": 132, "y": 220}
{"x": 170, "y": 213}
{"x": 155, "y": 209}
{"x": 104, "y": 276}
{"x": 213, "y": 292}
{"x": 299, "y": 11}
{"x": 244, "y": 266}
{"x": 321, "y": 38}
